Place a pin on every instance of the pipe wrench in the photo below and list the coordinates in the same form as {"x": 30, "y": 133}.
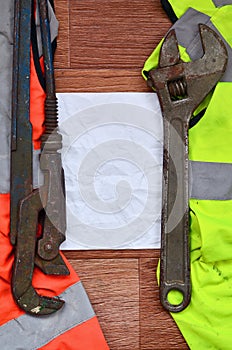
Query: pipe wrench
{"x": 33, "y": 207}
{"x": 181, "y": 86}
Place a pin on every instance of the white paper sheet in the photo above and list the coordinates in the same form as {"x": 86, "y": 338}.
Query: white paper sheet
{"x": 112, "y": 158}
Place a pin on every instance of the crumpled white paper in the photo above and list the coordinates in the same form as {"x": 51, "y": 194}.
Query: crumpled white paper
{"x": 112, "y": 158}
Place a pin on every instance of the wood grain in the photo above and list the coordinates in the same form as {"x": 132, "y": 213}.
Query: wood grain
{"x": 63, "y": 43}
{"x": 114, "y": 34}
{"x": 113, "y": 289}
{"x": 102, "y": 46}
{"x": 112, "y": 254}
{"x": 100, "y": 80}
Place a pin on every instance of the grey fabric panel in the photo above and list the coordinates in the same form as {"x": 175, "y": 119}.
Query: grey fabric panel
{"x": 53, "y": 26}
{"x": 220, "y": 3}
{"x": 6, "y": 45}
{"x": 4, "y": 166}
{"x": 211, "y": 181}
{"x": 187, "y": 32}
{"x": 30, "y": 333}
{"x": 38, "y": 176}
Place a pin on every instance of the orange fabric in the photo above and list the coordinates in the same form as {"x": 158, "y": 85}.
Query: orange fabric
{"x": 82, "y": 337}
{"x": 53, "y": 285}
{"x": 37, "y": 97}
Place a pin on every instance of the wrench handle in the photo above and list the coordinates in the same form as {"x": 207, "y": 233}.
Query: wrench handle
{"x": 174, "y": 262}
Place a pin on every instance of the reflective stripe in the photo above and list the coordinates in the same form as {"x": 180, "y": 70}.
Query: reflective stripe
{"x": 5, "y": 167}
{"x": 30, "y": 333}
{"x": 38, "y": 176}
{"x": 187, "y": 32}
{"x": 188, "y": 36}
{"x": 210, "y": 181}
{"x": 5, "y": 172}
{"x": 220, "y": 3}
{"x": 6, "y": 45}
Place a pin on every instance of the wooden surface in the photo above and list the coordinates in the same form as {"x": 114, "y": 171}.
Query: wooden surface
{"x": 102, "y": 47}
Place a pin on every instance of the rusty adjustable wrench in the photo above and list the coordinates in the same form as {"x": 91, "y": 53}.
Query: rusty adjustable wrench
{"x": 180, "y": 87}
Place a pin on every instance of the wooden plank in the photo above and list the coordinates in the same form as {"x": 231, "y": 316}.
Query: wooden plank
{"x": 111, "y": 254}
{"x": 62, "y": 57}
{"x": 158, "y": 330}
{"x": 113, "y": 289}
{"x": 100, "y": 80}
{"x": 114, "y": 34}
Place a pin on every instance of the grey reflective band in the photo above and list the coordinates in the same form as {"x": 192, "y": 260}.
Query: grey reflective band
{"x": 187, "y": 32}
{"x": 210, "y": 181}
{"x": 188, "y": 36}
{"x": 30, "y": 333}
{"x": 5, "y": 168}
{"x": 220, "y": 3}
{"x": 5, "y": 165}
{"x": 38, "y": 176}
{"x": 6, "y": 45}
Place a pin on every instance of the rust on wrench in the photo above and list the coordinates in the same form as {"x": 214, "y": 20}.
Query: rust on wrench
{"x": 181, "y": 86}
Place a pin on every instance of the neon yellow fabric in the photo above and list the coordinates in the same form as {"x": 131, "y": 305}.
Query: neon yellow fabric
{"x": 180, "y": 7}
{"x": 207, "y": 322}
{"x": 212, "y": 135}
{"x": 222, "y": 21}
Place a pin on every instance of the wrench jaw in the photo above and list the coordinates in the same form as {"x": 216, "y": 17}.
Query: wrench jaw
{"x": 170, "y": 54}
{"x": 23, "y": 291}
{"x": 34, "y": 304}
{"x": 214, "y": 60}
{"x": 181, "y": 87}
{"x": 193, "y": 80}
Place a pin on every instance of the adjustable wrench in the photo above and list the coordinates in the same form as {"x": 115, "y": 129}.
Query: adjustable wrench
{"x": 180, "y": 87}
